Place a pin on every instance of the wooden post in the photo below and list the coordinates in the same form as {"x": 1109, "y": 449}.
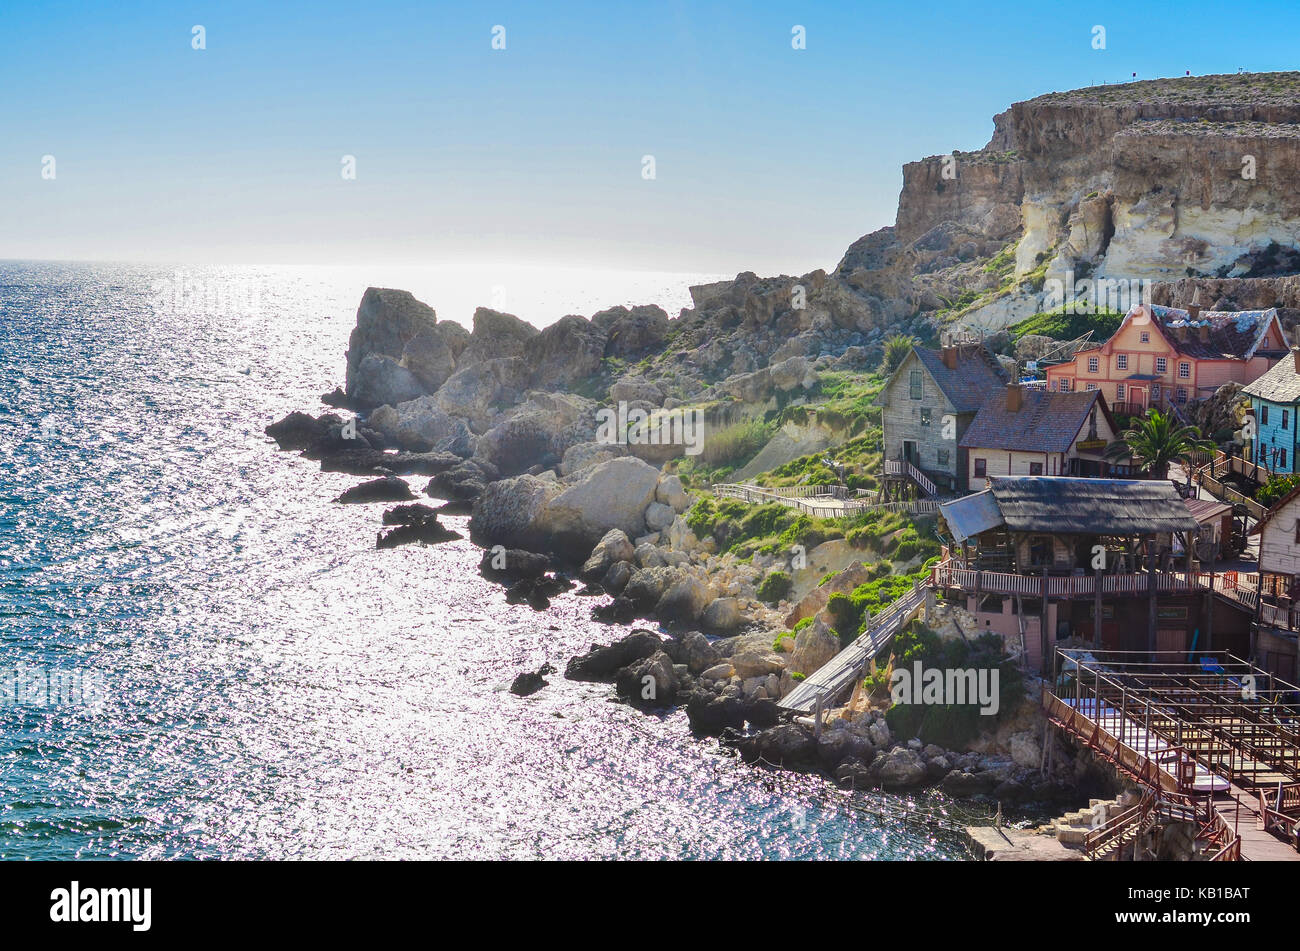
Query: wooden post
{"x": 1096, "y": 607}
{"x": 1151, "y": 597}
{"x": 1209, "y": 616}
{"x": 817, "y": 717}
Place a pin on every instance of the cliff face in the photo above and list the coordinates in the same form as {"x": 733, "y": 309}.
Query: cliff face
{"x": 1162, "y": 181}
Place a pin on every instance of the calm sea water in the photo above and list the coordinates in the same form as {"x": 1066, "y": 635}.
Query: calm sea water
{"x": 263, "y": 682}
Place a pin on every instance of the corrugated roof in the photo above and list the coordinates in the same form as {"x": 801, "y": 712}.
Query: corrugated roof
{"x": 1090, "y": 506}
{"x": 971, "y": 514}
{"x": 1281, "y": 384}
{"x": 1205, "y": 509}
{"x": 1045, "y": 422}
{"x": 978, "y": 376}
{"x": 1233, "y": 335}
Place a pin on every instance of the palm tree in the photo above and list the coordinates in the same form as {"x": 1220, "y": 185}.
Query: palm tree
{"x": 897, "y": 348}
{"x": 1157, "y": 441}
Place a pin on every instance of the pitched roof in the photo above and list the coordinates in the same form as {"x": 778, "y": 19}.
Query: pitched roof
{"x": 976, "y": 377}
{"x": 1281, "y": 384}
{"x": 1205, "y": 509}
{"x": 1045, "y": 422}
{"x": 1233, "y": 335}
{"x": 971, "y": 514}
{"x": 1090, "y": 506}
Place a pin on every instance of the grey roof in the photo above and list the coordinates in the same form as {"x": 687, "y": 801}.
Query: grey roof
{"x": 1090, "y": 506}
{"x": 1281, "y": 384}
{"x": 1232, "y": 335}
{"x": 1045, "y": 422}
{"x": 971, "y": 514}
{"x": 978, "y": 375}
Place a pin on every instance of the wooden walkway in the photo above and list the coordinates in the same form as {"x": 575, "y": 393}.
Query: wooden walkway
{"x": 838, "y": 675}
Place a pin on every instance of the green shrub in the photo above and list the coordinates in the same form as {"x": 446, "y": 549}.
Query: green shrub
{"x": 774, "y": 587}
{"x": 1275, "y": 488}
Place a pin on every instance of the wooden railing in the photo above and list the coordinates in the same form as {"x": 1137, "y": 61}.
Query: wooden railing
{"x": 1284, "y": 818}
{"x": 903, "y": 467}
{"x": 815, "y": 499}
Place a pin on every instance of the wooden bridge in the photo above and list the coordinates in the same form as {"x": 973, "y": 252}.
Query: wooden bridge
{"x": 841, "y": 673}
{"x": 1217, "y": 736}
{"x": 824, "y": 501}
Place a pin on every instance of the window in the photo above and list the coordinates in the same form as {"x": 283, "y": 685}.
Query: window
{"x": 1090, "y": 387}
{"x": 943, "y": 458}
{"x": 1263, "y": 415}
{"x": 1162, "y": 365}
{"x": 914, "y": 383}
{"x": 1155, "y": 391}
{"x": 1184, "y": 371}
{"x": 1182, "y": 394}
{"x": 1093, "y": 364}
{"x": 1035, "y": 468}
{"x": 1121, "y": 361}
{"x": 1065, "y": 384}
{"x": 1285, "y": 417}
{"x": 981, "y": 468}
{"x": 1146, "y": 336}
{"x": 925, "y": 417}
{"x": 1120, "y": 391}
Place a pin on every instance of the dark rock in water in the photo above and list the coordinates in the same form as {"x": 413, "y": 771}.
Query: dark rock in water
{"x": 386, "y": 489}
{"x": 412, "y": 514}
{"x": 592, "y": 590}
{"x": 602, "y": 663}
{"x": 537, "y": 592}
{"x": 466, "y": 479}
{"x": 338, "y": 438}
{"x": 648, "y": 683}
{"x": 619, "y": 611}
{"x": 711, "y": 713}
{"x": 855, "y": 773}
{"x": 783, "y": 745}
{"x": 298, "y": 431}
{"x": 961, "y": 784}
{"x": 356, "y": 460}
{"x": 530, "y": 682}
{"x": 415, "y": 523}
{"x": 503, "y": 563}
{"x": 338, "y": 399}
{"x": 761, "y": 714}
{"x": 463, "y": 507}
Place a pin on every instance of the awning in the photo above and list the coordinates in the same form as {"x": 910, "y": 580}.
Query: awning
{"x": 971, "y": 514}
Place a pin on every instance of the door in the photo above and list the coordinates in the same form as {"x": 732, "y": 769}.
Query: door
{"x": 911, "y": 453}
{"x": 1137, "y": 395}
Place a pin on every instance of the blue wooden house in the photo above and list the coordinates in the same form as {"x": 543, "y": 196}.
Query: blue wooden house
{"x": 1275, "y": 402}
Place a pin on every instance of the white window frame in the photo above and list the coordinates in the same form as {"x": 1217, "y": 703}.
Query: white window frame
{"x": 1094, "y": 365}
{"x": 1162, "y": 365}
{"x": 1121, "y": 361}
{"x": 1184, "y": 371}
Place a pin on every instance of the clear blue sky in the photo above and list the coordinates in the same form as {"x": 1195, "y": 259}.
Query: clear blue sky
{"x": 767, "y": 158}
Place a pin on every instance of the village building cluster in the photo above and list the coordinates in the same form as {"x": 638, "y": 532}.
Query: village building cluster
{"x": 1052, "y": 534}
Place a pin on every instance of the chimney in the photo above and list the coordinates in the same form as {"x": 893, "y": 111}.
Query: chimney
{"x": 1205, "y": 331}
{"x": 1015, "y": 398}
{"x": 1295, "y": 352}
{"x": 1194, "y": 308}
{"x": 949, "y": 356}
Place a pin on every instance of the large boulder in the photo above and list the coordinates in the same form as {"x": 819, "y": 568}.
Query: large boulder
{"x": 634, "y": 389}
{"x": 791, "y": 373}
{"x": 379, "y": 379}
{"x": 698, "y": 653}
{"x": 392, "y": 324}
{"x": 814, "y": 646}
{"x": 632, "y": 332}
{"x": 421, "y": 425}
{"x": 584, "y": 455}
{"x": 722, "y": 616}
{"x": 476, "y": 392}
{"x": 613, "y": 494}
{"x": 568, "y": 350}
{"x": 505, "y": 512}
{"x": 671, "y": 493}
{"x": 602, "y": 663}
{"x": 658, "y": 516}
{"x": 537, "y": 432}
{"x": 648, "y": 585}
{"x": 496, "y": 335}
{"x": 901, "y": 767}
{"x": 613, "y": 547}
{"x": 684, "y": 601}
{"x": 649, "y": 682}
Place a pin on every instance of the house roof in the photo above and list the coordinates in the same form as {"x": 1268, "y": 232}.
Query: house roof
{"x": 1090, "y": 506}
{"x": 1066, "y": 506}
{"x": 971, "y": 514}
{"x": 1045, "y": 422}
{"x": 1204, "y": 510}
{"x": 1281, "y": 384}
{"x": 976, "y": 377}
{"x": 1233, "y": 335}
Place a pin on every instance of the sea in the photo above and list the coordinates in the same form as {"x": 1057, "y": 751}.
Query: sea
{"x": 203, "y": 657}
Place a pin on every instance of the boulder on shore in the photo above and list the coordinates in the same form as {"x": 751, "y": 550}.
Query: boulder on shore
{"x": 384, "y": 489}
{"x": 602, "y": 663}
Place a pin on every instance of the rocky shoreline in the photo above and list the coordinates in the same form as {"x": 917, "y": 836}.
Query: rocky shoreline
{"x": 553, "y": 507}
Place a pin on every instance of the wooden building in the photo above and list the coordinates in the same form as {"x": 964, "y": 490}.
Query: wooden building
{"x": 1047, "y": 558}
{"x": 928, "y": 404}
{"x": 1274, "y": 403}
{"x": 1163, "y": 355}
{"x": 1033, "y": 431}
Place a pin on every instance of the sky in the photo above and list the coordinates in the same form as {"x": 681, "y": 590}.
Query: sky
{"x": 765, "y": 157}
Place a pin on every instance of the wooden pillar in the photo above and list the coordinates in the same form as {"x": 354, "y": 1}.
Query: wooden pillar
{"x": 1209, "y": 616}
{"x": 1044, "y": 637}
{"x": 1151, "y": 597}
